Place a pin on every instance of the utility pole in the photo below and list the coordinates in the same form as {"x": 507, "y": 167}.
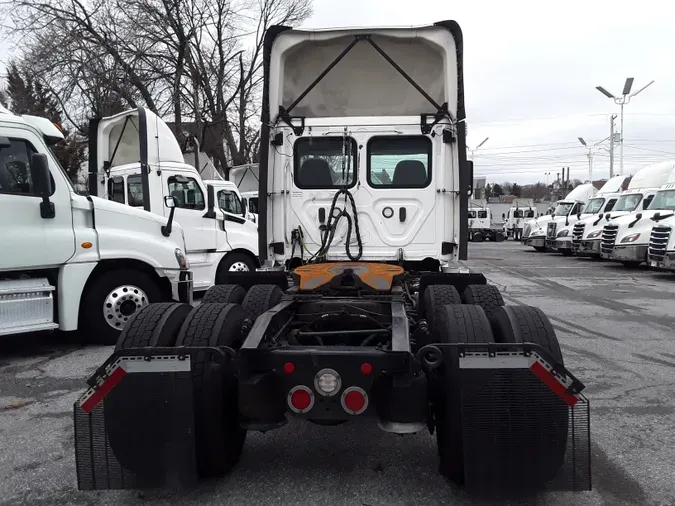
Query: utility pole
{"x": 612, "y": 117}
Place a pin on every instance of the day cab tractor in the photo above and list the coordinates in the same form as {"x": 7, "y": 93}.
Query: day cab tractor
{"x": 362, "y": 309}
{"x": 480, "y": 226}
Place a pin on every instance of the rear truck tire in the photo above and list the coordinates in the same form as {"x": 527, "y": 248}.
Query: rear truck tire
{"x": 477, "y": 237}
{"x": 567, "y": 253}
{"x": 486, "y": 296}
{"x": 499, "y": 237}
{"x": 110, "y": 301}
{"x": 234, "y": 262}
{"x": 224, "y": 294}
{"x": 219, "y": 440}
{"x": 261, "y": 298}
{"x": 545, "y": 427}
{"x": 435, "y": 298}
{"x": 456, "y": 324}
{"x": 631, "y": 264}
{"x": 155, "y": 325}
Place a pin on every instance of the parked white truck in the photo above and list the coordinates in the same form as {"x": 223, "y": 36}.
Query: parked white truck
{"x": 603, "y": 201}
{"x": 662, "y": 239}
{"x": 480, "y": 225}
{"x": 626, "y": 239}
{"x": 75, "y": 262}
{"x": 514, "y": 220}
{"x": 136, "y": 150}
{"x": 543, "y": 231}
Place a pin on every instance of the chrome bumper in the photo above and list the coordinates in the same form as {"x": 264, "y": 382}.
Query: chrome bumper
{"x": 563, "y": 245}
{"x": 627, "y": 253}
{"x": 535, "y": 242}
{"x": 550, "y": 244}
{"x": 666, "y": 263}
{"x": 588, "y": 248}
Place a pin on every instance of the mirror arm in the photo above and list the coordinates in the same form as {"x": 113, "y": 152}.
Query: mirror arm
{"x": 166, "y": 229}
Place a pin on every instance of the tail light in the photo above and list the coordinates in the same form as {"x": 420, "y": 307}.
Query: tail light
{"x": 354, "y": 400}
{"x": 300, "y": 399}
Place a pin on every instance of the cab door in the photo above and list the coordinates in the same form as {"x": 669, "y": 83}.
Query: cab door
{"x": 27, "y": 239}
{"x": 190, "y": 197}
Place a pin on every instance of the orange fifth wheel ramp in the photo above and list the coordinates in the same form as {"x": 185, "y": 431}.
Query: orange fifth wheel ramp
{"x": 377, "y": 276}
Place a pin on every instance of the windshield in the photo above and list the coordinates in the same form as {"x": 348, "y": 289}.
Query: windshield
{"x": 593, "y": 206}
{"x": 563, "y": 209}
{"x": 472, "y": 214}
{"x": 628, "y": 202}
{"x": 664, "y": 200}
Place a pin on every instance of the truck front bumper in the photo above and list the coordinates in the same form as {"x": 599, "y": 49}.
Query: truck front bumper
{"x": 551, "y": 245}
{"x": 589, "y": 248}
{"x": 564, "y": 245}
{"x": 666, "y": 263}
{"x": 538, "y": 241}
{"x": 627, "y": 253}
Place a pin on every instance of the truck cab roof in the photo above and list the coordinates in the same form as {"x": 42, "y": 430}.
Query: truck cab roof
{"x": 46, "y": 128}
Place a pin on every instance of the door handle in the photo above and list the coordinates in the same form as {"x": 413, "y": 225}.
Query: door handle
{"x": 322, "y": 215}
{"x": 401, "y": 214}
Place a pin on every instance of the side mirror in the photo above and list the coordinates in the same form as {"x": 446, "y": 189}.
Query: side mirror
{"x": 210, "y": 202}
{"x": 169, "y": 202}
{"x": 42, "y": 183}
{"x": 243, "y": 208}
{"x": 638, "y": 216}
{"x": 469, "y": 164}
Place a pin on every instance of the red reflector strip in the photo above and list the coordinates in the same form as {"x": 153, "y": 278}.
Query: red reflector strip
{"x": 553, "y": 383}
{"x": 110, "y": 382}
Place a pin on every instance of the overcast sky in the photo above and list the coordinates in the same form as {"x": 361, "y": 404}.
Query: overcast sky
{"x": 531, "y": 68}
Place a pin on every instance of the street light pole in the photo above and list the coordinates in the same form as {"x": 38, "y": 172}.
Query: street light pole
{"x": 473, "y": 151}
{"x": 623, "y": 100}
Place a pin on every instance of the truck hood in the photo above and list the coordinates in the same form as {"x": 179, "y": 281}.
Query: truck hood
{"x": 643, "y": 226}
{"x": 113, "y": 215}
{"x": 591, "y": 228}
{"x": 573, "y": 221}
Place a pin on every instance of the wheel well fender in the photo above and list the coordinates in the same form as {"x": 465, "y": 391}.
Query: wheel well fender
{"x": 249, "y": 254}
{"x": 127, "y": 263}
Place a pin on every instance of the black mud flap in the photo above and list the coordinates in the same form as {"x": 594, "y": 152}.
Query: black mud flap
{"x": 525, "y": 424}
{"x": 134, "y": 429}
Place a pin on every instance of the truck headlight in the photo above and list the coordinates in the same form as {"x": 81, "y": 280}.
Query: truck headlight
{"x": 563, "y": 233}
{"x": 182, "y": 259}
{"x": 594, "y": 235}
{"x": 630, "y": 238}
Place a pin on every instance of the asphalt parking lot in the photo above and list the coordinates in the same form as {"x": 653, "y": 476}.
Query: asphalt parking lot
{"x": 617, "y": 330}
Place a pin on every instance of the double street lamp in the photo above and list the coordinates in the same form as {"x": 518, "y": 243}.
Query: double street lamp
{"x": 625, "y": 97}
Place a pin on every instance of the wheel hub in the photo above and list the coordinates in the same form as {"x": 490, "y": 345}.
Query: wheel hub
{"x": 121, "y": 303}
{"x": 238, "y": 267}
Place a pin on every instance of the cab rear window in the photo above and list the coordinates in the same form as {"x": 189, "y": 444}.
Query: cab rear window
{"x": 324, "y": 162}
{"x": 399, "y": 162}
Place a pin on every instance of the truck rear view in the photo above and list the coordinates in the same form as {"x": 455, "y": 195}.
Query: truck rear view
{"x": 360, "y": 311}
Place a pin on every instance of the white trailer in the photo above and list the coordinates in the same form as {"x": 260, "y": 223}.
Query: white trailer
{"x": 75, "y": 262}
{"x": 626, "y": 239}
{"x": 136, "y": 150}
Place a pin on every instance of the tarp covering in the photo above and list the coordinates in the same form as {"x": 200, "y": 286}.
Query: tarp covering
{"x": 364, "y": 83}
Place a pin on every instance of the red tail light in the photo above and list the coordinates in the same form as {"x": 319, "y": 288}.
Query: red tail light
{"x": 354, "y": 400}
{"x": 300, "y": 399}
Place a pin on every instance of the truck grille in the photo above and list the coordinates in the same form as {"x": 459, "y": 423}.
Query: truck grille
{"x": 609, "y": 233}
{"x": 578, "y": 233}
{"x": 658, "y": 242}
{"x": 550, "y": 231}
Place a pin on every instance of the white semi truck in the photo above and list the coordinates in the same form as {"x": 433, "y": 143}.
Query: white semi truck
{"x": 543, "y": 230}
{"x": 626, "y": 239}
{"x": 136, "y": 150}
{"x": 515, "y": 218}
{"x": 603, "y": 201}
{"x": 480, "y": 225}
{"x": 74, "y": 262}
{"x": 661, "y": 250}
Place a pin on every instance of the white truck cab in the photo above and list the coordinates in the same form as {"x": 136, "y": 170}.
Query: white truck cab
{"x": 136, "y": 150}
{"x": 350, "y": 173}
{"x": 250, "y": 200}
{"x": 543, "y": 232}
{"x": 515, "y": 218}
{"x": 70, "y": 261}
{"x": 626, "y": 238}
{"x": 568, "y": 238}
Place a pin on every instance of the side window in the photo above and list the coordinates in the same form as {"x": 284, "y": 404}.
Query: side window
{"x": 318, "y": 162}
{"x": 647, "y": 201}
{"x": 610, "y": 205}
{"x": 253, "y": 205}
{"x": 135, "y": 191}
{"x": 482, "y": 214}
{"x": 576, "y": 209}
{"x": 15, "y": 174}
{"x": 116, "y": 189}
{"x": 186, "y": 192}
{"x": 399, "y": 162}
{"x": 229, "y": 201}
{"x": 472, "y": 214}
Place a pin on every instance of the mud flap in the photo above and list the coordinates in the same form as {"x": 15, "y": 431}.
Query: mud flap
{"x": 134, "y": 429}
{"x": 525, "y": 423}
